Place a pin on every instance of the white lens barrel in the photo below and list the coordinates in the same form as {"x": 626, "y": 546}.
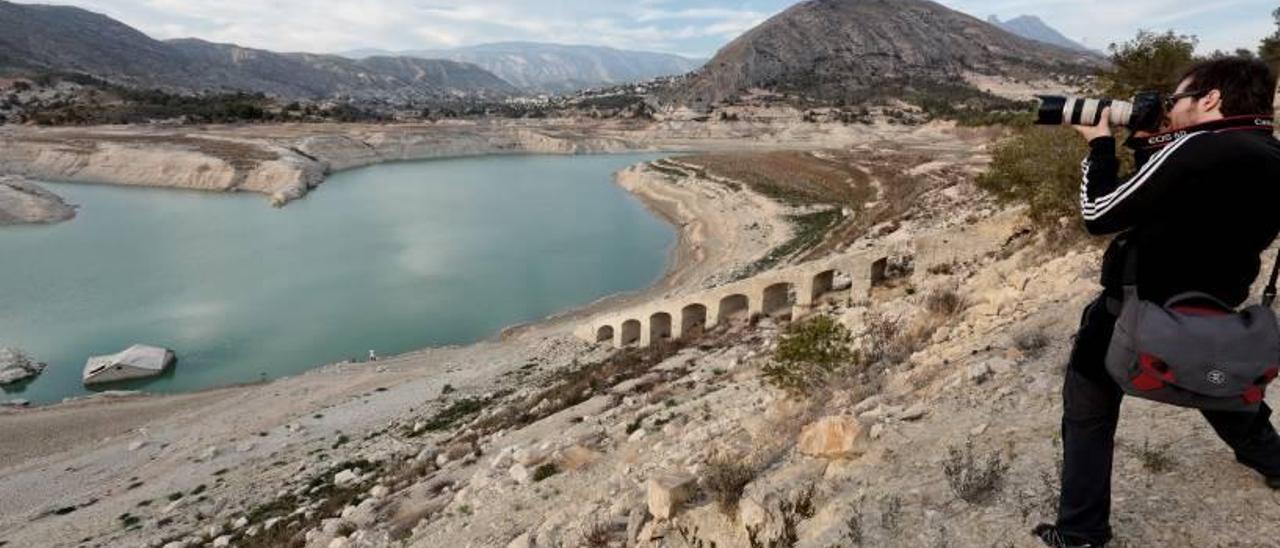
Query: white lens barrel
{"x": 1121, "y": 112}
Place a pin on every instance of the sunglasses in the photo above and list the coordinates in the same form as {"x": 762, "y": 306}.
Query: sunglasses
{"x": 1172, "y": 100}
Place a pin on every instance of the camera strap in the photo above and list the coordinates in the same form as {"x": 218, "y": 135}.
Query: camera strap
{"x": 1259, "y": 123}
{"x": 1269, "y": 294}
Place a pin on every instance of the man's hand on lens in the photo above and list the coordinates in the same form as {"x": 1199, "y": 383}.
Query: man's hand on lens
{"x": 1103, "y": 129}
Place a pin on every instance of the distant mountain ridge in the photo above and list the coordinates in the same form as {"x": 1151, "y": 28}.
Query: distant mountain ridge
{"x": 1034, "y": 28}
{"x": 556, "y": 68}
{"x": 69, "y": 39}
{"x": 847, "y": 49}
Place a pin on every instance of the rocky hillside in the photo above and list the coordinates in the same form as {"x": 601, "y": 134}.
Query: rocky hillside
{"x": 556, "y": 68}
{"x": 231, "y": 67}
{"x": 1034, "y": 28}
{"x": 41, "y": 38}
{"x": 847, "y": 49}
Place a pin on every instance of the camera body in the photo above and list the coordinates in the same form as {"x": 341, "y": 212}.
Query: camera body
{"x": 1144, "y": 113}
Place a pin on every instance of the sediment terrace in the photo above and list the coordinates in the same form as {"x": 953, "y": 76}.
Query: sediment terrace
{"x": 284, "y": 162}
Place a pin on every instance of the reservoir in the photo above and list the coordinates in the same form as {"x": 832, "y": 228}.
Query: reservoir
{"x": 391, "y": 258}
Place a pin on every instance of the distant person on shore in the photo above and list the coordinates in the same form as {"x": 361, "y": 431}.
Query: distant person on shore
{"x": 1202, "y": 207}
{"x": 373, "y": 356}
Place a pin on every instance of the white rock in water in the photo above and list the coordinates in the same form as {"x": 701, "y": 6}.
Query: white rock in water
{"x": 136, "y": 362}
{"x": 16, "y": 366}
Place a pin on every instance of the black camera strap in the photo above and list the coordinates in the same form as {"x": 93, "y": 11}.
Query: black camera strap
{"x": 1232, "y": 123}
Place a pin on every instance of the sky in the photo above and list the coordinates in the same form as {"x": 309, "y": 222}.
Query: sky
{"x": 695, "y": 28}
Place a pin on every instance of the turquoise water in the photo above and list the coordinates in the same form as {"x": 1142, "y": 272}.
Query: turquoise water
{"x": 391, "y": 257}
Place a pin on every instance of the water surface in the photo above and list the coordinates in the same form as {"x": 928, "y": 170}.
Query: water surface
{"x": 391, "y": 257}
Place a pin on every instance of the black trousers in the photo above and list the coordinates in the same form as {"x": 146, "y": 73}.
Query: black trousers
{"x": 1090, "y": 411}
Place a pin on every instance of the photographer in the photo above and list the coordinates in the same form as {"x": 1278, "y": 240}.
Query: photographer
{"x": 1202, "y": 207}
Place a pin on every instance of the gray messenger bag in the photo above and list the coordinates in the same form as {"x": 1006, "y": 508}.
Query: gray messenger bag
{"x": 1193, "y": 350}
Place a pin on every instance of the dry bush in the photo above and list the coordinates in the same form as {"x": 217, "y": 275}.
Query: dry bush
{"x": 890, "y": 341}
{"x": 976, "y": 480}
{"x": 881, "y": 333}
{"x": 597, "y": 534}
{"x": 724, "y": 478}
{"x": 1155, "y": 458}
{"x": 891, "y": 515}
{"x": 945, "y": 303}
{"x": 1032, "y": 342}
{"x": 791, "y": 512}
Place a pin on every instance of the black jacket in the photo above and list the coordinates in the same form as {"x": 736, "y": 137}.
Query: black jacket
{"x": 1203, "y": 205}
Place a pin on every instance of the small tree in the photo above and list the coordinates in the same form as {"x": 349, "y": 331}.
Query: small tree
{"x": 809, "y": 352}
{"x": 1150, "y": 61}
{"x": 1269, "y": 51}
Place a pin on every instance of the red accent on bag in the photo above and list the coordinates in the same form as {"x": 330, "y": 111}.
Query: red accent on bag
{"x": 1199, "y": 311}
{"x": 1150, "y": 376}
{"x": 1253, "y": 395}
{"x": 1271, "y": 374}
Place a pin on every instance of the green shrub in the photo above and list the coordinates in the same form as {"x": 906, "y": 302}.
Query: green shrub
{"x": 1151, "y": 61}
{"x": 1038, "y": 166}
{"x": 808, "y": 354}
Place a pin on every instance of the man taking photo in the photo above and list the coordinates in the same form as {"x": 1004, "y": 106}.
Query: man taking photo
{"x": 1202, "y": 207}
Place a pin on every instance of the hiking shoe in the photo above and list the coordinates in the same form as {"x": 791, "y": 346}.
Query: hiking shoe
{"x": 1050, "y": 536}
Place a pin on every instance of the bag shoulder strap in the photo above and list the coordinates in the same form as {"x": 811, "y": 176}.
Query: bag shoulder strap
{"x": 1129, "y": 276}
{"x": 1269, "y": 294}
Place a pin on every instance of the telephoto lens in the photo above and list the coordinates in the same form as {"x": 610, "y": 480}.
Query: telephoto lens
{"x": 1079, "y": 111}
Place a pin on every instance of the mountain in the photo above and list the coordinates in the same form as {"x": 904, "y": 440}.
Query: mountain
{"x": 1033, "y": 28}
{"x": 556, "y": 68}
{"x": 68, "y": 39}
{"x": 847, "y": 49}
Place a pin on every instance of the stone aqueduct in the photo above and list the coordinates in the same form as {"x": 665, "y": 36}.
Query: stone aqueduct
{"x": 796, "y": 290}
{"x": 793, "y": 291}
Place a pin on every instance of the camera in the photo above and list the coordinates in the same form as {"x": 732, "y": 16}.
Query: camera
{"x": 1144, "y": 113}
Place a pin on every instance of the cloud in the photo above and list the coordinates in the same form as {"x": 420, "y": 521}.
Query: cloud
{"x": 691, "y": 27}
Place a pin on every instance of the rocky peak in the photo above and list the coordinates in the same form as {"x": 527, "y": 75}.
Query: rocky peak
{"x": 830, "y": 49}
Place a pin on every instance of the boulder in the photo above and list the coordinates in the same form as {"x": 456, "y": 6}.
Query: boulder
{"x": 832, "y": 438}
{"x": 668, "y": 491}
{"x": 520, "y": 473}
{"x": 136, "y": 362}
{"x": 345, "y": 478}
{"x": 979, "y": 373}
{"x": 15, "y": 366}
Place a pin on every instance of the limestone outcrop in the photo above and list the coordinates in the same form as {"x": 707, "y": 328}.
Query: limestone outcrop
{"x": 15, "y": 366}
{"x": 24, "y": 202}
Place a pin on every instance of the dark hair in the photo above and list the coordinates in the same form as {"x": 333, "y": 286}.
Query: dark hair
{"x": 1248, "y": 86}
